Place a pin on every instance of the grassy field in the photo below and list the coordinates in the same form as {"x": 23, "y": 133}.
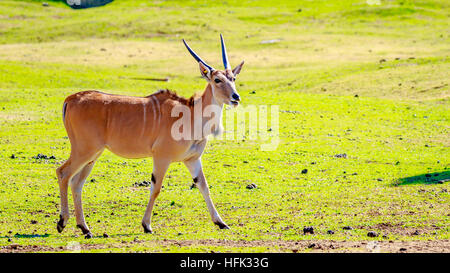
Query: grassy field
{"x": 368, "y": 81}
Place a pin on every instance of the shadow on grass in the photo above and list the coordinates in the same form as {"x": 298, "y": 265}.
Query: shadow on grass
{"x": 31, "y": 235}
{"x": 77, "y": 4}
{"x": 429, "y": 178}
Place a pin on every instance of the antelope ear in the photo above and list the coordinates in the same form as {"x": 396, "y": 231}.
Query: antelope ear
{"x": 205, "y": 71}
{"x": 238, "y": 68}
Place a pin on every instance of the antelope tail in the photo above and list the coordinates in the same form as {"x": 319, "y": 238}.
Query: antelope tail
{"x": 64, "y": 111}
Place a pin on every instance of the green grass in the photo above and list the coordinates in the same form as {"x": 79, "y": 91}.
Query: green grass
{"x": 393, "y": 56}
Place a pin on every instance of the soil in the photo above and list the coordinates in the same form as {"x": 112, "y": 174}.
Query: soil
{"x": 437, "y": 246}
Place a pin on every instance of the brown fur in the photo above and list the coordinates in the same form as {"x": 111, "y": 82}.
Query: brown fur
{"x": 138, "y": 127}
{"x": 131, "y": 127}
{"x": 172, "y": 95}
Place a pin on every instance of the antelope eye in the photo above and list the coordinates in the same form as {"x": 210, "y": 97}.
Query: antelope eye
{"x": 217, "y": 80}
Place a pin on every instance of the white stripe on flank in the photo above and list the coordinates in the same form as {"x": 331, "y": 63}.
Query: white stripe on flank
{"x": 157, "y": 111}
{"x": 145, "y": 118}
{"x": 154, "y": 113}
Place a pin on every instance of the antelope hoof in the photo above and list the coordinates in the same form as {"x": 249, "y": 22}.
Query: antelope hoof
{"x": 222, "y": 225}
{"x": 60, "y": 226}
{"x": 86, "y": 232}
{"x": 146, "y": 229}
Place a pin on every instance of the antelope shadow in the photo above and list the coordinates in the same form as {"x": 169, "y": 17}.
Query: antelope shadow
{"x": 428, "y": 178}
{"x": 17, "y": 235}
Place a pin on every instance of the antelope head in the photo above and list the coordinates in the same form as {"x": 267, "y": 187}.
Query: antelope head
{"x": 222, "y": 81}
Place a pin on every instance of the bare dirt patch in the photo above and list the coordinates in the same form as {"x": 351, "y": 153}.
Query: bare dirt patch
{"x": 438, "y": 246}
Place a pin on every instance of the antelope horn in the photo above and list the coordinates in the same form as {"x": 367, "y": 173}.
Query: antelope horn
{"x": 226, "y": 64}
{"x": 196, "y": 57}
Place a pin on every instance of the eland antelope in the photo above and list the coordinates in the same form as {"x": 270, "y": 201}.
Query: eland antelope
{"x": 139, "y": 127}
